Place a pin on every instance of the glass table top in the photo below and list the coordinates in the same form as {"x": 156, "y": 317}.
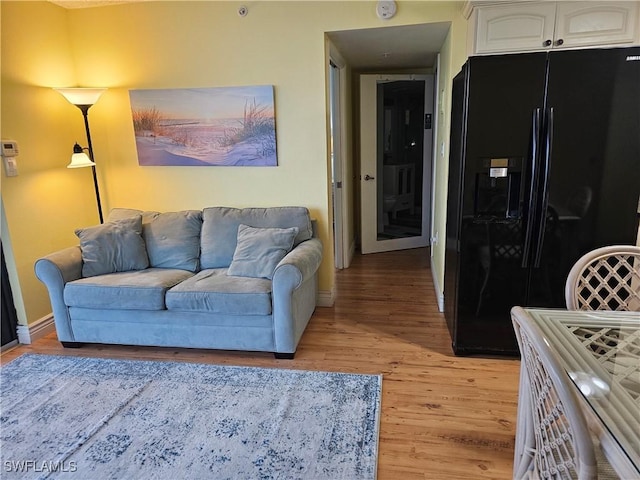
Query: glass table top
{"x": 600, "y": 350}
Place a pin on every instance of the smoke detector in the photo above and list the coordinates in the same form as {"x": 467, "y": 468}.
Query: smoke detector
{"x": 386, "y": 9}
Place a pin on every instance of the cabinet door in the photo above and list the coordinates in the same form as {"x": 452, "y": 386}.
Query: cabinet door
{"x": 515, "y": 28}
{"x": 595, "y": 23}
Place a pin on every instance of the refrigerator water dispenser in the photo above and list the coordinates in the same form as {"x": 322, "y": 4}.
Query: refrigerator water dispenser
{"x": 498, "y": 187}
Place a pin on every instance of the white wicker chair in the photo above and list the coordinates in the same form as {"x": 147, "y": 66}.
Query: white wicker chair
{"x": 607, "y": 278}
{"x": 552, "y": 439}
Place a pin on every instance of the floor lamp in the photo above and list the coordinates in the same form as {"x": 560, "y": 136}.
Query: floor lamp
{"x": 84, "y": 98}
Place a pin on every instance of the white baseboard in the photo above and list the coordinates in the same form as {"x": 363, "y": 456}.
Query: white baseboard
{"x": 438, "y": 289}
{"x": 38, "y": 329}
{"x": 325, "y": 298}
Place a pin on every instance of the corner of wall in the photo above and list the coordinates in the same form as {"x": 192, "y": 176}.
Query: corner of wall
{"x": 438, "y": 289}
{"x": 326, "y": 298}
{"x": 12, "y": 270}
{"x": 28, "y": 334}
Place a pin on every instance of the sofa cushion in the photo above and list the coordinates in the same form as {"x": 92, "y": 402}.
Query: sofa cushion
{"x": 113, "y": 247}
{"x": 120, "y": 213}
{"x": 139, "y": 290}
{"x": 220, "y": 229}
{"x": 172, "y": 238}
{"x": 259, "y": 250}
{"x": 215, "y": 292}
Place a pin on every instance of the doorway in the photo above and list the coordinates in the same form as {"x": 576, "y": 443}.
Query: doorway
{"x": 396, "y": 140}
{"x": 9, "y": 316}
{"x": 377, "y": 50}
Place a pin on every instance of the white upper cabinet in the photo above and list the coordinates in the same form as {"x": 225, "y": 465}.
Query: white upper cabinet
{"x": 518, "y": 27}
{"x": 596, "y": 23}
{"x": 514, "y": 28}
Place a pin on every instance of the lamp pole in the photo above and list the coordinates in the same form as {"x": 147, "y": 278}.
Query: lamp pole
{"x": 85, "y": 114}
{"x": 84, "y": 98}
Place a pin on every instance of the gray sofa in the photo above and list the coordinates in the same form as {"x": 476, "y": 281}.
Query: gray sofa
{"x": 220, "y": 278}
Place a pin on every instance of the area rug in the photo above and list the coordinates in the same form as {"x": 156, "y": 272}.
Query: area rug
{"x": 89, "y": 418}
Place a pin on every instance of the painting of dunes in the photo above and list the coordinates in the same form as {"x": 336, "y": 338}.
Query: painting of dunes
{"x": 205, "y": 126}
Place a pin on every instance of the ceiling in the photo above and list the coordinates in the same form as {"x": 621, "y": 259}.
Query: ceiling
{"x": 384, "y": 48}
{"x": 388, "y": 48}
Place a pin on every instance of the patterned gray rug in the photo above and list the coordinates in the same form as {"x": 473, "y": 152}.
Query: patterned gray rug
{"x": 88, "y": 418}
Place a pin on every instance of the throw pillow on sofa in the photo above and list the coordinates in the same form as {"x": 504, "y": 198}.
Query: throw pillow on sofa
{"x": 220, "y": 229}
{"x": 259, "y": 250}
{"x": 172, "y": 238}
{"x": 113, "y": 247}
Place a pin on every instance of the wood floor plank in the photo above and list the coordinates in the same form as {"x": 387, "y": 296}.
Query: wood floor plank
{"x": 443, "y": 417}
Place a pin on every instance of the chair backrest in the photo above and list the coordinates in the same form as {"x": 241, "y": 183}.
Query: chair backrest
{"x": 560, "y": 446}
{"x": 580, "y": 200}
{"x": 607, "y": 278}
{"x": 505, "y": 240}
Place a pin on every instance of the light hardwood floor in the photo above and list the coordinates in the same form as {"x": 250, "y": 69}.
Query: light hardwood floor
{"x": 443, "y": 417}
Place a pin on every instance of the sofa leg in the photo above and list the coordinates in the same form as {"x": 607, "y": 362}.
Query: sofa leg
{"x": 284, "y": 356}
{"x": 71, "y": 344}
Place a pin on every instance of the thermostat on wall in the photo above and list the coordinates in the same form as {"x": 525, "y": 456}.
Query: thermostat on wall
{"x": 9, "y": 148}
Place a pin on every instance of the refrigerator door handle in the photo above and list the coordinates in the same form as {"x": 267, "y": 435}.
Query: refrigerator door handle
{"x": 535, "y": 154}
{"x": 544, "y": 198}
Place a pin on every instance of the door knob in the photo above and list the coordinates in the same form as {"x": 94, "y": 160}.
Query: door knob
{"x": 369, "y": 177}
{"x": 547, "y": 43}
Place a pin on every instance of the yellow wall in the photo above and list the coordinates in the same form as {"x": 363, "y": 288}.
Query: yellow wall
{"x": 167, "y": 45}
{"x": 45, "y": 202}
{"x": 452, "y": 56}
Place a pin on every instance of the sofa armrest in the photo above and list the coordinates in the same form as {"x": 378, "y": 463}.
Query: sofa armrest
{"x": 294, "y": 290}
{"x": 55, "y": 270}
{"x": 300, "y": 263}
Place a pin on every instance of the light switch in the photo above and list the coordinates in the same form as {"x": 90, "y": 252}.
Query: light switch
{"x": 10, "y": 166}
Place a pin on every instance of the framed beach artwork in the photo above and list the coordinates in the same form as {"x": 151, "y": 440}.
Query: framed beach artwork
{"x": 205, "y": 126}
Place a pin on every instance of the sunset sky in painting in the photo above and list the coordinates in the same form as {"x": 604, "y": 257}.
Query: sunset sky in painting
{"x": 202, "y": 102}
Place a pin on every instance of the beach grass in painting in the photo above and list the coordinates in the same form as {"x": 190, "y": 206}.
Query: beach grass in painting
{"x": 205, "y": 126}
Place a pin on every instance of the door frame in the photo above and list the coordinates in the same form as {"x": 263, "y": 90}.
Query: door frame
{"x": 436, "y": 151}
{"x": 368, "y": 123}
{"x": 338, "y": 163}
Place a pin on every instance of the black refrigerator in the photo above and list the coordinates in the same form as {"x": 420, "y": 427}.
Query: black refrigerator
{"x": 544, "y": 166}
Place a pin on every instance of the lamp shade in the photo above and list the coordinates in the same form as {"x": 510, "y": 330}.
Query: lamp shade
{"x": 80, "y": 159}
{"x": 81, "y": 96}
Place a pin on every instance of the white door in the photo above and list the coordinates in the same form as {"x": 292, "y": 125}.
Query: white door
{"x": 396, "y": 125}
